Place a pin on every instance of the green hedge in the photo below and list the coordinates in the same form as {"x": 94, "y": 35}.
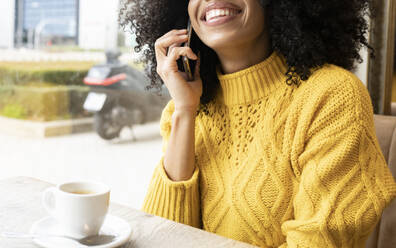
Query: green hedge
{"x": 60, "y": 73}
{"x": 39, "y": 101}
{"x": 44, "y": 91}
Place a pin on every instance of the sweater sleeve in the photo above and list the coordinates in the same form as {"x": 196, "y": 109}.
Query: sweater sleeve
{"x": 177, "y": 201}
{"x": 344, "y": 181}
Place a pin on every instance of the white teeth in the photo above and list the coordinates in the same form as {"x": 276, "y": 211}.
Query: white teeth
{"x": 214, "y": 13}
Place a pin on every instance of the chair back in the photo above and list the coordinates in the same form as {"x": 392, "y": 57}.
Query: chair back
{"x": 384, "y": 234}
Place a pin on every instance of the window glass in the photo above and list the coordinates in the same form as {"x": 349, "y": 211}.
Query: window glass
{"x": 68, "y": 111}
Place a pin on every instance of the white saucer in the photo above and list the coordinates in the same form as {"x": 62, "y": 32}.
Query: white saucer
{"x": 112, "y": 225}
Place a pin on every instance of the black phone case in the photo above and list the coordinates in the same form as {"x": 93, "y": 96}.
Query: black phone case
{"x": 192, "y": 63}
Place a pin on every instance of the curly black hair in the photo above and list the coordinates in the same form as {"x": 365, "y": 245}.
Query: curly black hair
{"x": 308, "y": 33}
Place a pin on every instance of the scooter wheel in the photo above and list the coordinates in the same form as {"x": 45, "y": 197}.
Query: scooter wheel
{"x": 105, "y": 126}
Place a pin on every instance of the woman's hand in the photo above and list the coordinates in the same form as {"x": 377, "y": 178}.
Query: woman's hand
{"x": 185, "y": 94}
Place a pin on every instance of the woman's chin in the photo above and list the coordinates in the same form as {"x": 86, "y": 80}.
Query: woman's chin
{"x": 220, "y": 41}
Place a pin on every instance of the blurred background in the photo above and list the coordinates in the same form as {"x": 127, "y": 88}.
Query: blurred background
{"x": 72, "y": 98}
{"x": 52, "y": 62}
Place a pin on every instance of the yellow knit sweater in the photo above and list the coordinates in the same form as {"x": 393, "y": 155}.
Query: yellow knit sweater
{"x": 281, "y": 166}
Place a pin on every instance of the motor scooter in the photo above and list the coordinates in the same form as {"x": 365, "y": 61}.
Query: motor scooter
{"x": 118, "y": 97}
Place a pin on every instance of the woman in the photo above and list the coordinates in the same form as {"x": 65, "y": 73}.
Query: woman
{"x": 273, "y": 143}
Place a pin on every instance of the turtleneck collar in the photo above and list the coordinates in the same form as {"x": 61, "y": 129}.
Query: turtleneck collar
{"x": 254, "y": 82}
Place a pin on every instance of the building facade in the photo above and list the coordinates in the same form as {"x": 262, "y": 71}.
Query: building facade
{"x": 39, "y": 22}
{"x": 89, "y": 24}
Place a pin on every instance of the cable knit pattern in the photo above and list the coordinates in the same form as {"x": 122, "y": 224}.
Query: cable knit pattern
{"x": 281, "y": 166}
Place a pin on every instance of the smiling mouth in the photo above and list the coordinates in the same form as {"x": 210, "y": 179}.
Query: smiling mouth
{"x": 214, "y": 14}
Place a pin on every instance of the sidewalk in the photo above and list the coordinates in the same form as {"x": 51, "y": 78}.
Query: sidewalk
{"x": 125, "y": 165}
{"x": 25, "y": 128}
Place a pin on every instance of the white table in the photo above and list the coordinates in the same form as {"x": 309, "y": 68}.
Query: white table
{"x": 20, "y": 207}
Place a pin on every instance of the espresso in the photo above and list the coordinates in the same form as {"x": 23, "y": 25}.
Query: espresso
{"x": 83, "y": 192}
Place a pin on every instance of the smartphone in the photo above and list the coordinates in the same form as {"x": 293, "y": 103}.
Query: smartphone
{"x": 185, "y": 64}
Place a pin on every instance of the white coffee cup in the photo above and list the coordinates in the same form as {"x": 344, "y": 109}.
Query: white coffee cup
{"x": 79, "y": 207}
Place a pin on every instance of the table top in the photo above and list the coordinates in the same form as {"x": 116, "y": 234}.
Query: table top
{"x": 20, "y": 207}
